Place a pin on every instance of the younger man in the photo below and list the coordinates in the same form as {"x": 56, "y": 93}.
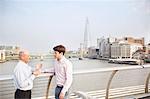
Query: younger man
{"x": 63, "y": 72}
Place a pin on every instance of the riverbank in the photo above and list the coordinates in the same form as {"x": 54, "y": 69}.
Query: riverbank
{"x": 125, "y": 61}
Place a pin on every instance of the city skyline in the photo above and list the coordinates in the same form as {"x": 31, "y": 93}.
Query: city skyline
{"x": 39, "y": 25}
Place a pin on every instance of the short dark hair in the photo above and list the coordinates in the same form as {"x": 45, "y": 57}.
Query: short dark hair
{"x": 60, "y": 49}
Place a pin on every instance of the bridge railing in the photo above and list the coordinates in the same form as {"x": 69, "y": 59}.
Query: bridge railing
{"x": 100, "y": 83}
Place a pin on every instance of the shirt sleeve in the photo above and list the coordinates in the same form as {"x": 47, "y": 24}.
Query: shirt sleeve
{"x": 68, "y": 70}
{"x": 22, "y": 80}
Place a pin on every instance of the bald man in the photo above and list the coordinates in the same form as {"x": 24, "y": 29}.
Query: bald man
{"x": 24, "y": 76}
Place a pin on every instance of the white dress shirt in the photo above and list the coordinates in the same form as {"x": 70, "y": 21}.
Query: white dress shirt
{"x": 23, "y": 77}
{"x": 63, "y": 73}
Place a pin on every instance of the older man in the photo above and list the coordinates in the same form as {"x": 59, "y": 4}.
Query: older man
{"x": 24, "y": 76}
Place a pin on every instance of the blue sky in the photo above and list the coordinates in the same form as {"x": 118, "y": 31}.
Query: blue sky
{"x": 39, "y": 25}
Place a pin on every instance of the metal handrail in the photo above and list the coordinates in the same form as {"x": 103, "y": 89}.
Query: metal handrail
{"x": 112, "y": 69}
{"x": 9, "y": 77}
{"x": 109, "y": 82}
{"x": 48, "y": 86}
{"x": 147, "y": 82}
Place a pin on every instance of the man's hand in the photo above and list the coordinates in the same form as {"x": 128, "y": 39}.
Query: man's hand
{"x": 61, "y": 96}
{"x": 36, "y": 72}
{"x": 38, "y": 66}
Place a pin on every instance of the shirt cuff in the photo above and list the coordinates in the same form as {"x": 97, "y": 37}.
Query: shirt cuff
{"x": 32, "y": 77}
{"x": 63, "y": 91}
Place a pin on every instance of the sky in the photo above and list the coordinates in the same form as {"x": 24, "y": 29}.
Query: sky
{"x": 39, "y": 25}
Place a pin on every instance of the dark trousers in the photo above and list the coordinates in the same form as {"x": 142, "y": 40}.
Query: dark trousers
{"x": 58, "y": 91}
{"x": 20, "y": 94}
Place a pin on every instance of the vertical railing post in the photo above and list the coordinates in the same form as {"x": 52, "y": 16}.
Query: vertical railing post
{"x": 109, "y": 82}
{"x": 147, "y": 83}
{"x": 48, "y": 86}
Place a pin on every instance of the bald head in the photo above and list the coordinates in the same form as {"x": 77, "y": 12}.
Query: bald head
{"x": 22, "y": 52}
{"x": 24, "y": 56}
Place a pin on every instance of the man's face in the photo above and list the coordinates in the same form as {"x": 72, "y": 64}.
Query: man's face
{"x": 25, "y": 57}
{"x": 57, "y": 55}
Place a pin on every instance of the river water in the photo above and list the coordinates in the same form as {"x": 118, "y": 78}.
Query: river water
{"x": 86, "y": 64}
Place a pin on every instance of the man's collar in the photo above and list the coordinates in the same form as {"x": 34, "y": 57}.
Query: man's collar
{"x": 62, "y": 59}
{"x": 22, "y": 62}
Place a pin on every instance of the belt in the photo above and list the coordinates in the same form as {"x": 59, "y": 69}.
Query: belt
{"x": 59, "y": 85}
{"x": 23, "y": 90}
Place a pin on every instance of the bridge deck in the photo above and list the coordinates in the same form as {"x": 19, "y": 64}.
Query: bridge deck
{"x": 135, "y": 89}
